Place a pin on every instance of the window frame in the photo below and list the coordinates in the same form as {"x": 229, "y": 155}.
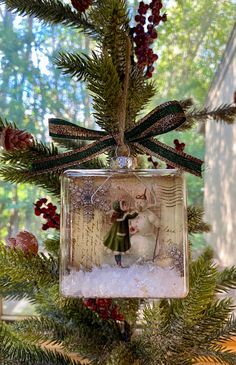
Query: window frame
{"x": 10, "y": 317}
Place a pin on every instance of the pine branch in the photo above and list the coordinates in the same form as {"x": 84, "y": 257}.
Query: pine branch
{"x": 196, "y": 223}
{"x": 41, "y": 270}
{"x": 16, "y": 290}
{"x": 227, "y": 331}
{"x": 48, "y": 181}
{"x": 76, "y": 65}
{"x": 106, "y": 88}
{"x": 218, "y": 354}
{"x": 171, "y": 326}
{"x": 111, "y": 20}
{"x": 211, "y": 328}
{"x": 13, "y": 347}
{"x": 26, "y": 157}
{"x": 50, "y": 11}
{"x": 42, "y": 329}
{"x": 15, "y": 165}
{"x": 140, "y": 93}
{"x": 224, "y": 113}
{"x": 226, "y": 280}
{"x": 52, "y": 245}
{"x": 81, "y": 321}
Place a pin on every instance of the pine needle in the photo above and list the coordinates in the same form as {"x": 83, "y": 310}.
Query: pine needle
{"x": 50, "y": 11}
{"x": 224, "y": 113}
{"x": 196, "y": 223}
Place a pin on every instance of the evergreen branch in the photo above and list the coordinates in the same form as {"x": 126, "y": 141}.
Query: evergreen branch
{"x": 15, "y": 165}
{"x": 41, "y": 270}
{"x": 196, "y": 223}
{"x": 76, "y": 65}
{"x": 171, "y": 331}
{"x": 213, "y": 324}
{"x": 52, "y": 245}
{"x": 42, "y": 329}
{"x": 12, "y": 289}
{"x": 106, "y": 88}
{"x": 140, "y": 93}
{"x": 50, "y": 11}
{"x": 24, "y": 157}
{"x": 226, "y": 280}
{"x": 111, "y": 20}
{"x": 83, "y": 323}
{"x": 48, "y": 181}
{"x": 203, "y": 276}
{"x": 217, "y": 353}
{"x": 227, "y": 331}
{"x": 224, "y": 113}
{"x": 13, "y": 347}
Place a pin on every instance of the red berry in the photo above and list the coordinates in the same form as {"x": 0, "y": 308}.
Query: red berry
{"x": 142, "y": 20}
{"x": 38, "y": 204}
{"x": 37, "y": 212}
{"x": 45, "y": 227}
{"x": 148, "y": 75}
{"x": 56, "y": 218}
{"x": 164, "y": 17}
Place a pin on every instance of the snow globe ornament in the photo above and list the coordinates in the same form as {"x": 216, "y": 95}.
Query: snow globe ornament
{"x": 124, "y": 233}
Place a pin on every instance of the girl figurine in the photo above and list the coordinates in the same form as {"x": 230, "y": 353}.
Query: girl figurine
{"x": 118, "y": 239}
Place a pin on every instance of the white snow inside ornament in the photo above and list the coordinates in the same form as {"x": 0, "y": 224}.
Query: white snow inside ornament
{"x": 124, "y": 233}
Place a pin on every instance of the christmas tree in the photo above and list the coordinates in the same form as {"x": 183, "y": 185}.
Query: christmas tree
{"x": 106, "y": 331}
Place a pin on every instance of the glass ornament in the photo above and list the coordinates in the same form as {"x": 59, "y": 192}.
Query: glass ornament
{"x": 124, "y": 233}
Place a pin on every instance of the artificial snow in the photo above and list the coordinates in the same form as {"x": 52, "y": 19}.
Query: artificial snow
{"x": 139, "y": 281}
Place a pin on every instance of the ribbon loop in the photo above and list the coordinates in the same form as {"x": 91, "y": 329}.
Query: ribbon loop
{"x": 162, "y": 119}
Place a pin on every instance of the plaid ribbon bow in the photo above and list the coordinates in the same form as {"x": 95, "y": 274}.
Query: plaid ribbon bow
{"x": 163, "y": 119}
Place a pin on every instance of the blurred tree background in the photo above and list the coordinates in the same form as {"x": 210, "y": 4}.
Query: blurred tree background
{"x": 190, "y": 47}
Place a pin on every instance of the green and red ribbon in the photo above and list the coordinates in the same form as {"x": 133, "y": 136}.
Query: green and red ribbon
{"x": 163, "y": 119}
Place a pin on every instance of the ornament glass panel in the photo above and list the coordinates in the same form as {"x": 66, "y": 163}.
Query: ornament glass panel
{"x": 124, "y": 234}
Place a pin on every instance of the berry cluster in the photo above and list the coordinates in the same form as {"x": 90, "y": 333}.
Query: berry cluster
{"x": 178, "y": 147}
{"x": 81, "y": 5}
{"x": 104, "y": 308}
{"x": 48, "y": 210}
{"x": 143, "y": 39}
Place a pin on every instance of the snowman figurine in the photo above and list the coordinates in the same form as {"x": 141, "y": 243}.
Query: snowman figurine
{"x": 144, "y": 231}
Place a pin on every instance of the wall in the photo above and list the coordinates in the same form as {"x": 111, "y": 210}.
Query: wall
{"x": 220, "y": 163}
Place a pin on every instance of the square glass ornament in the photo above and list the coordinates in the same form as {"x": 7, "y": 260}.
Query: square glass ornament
{"x": 124, "y": 234}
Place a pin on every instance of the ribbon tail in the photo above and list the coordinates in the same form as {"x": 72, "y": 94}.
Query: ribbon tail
{"x": 60, "y": 128}
{"x": 168, "y": 154}
{"x": 72, "y": 158}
